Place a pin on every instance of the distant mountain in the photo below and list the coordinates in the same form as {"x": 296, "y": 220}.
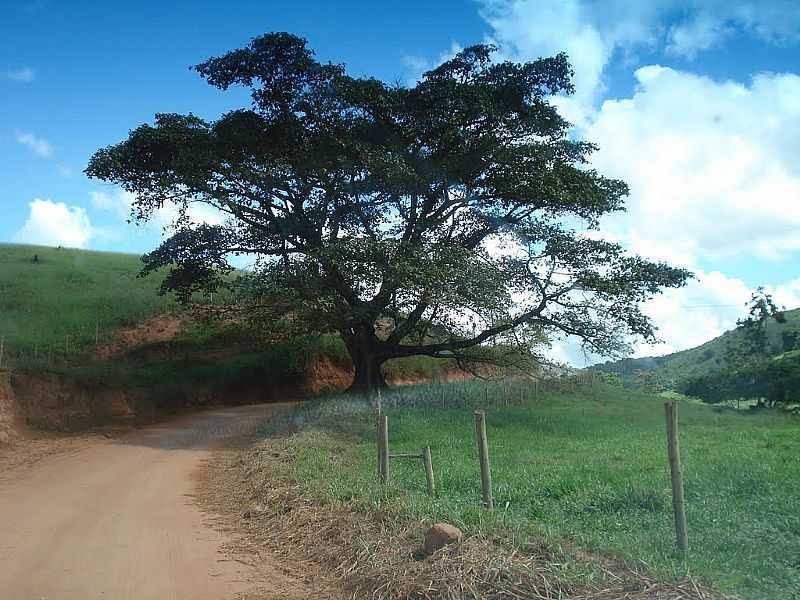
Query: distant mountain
{"x": 670, "y": 370}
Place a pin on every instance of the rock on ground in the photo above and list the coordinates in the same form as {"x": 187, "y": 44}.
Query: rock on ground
{"x": 440, "y": 535}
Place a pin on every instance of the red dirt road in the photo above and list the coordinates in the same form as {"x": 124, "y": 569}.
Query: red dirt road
{"x": 116, "y": 521}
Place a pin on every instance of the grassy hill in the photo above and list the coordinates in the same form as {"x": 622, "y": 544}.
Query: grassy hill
{"x": 669, "y": 370}
{"x": 55, "y": 304}
{"x": 54, "y": 301}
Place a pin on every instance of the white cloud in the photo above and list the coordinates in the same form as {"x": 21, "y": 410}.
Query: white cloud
{"x": 787, "y": 294}
{"x": 705, "y": 308}
{"x": 119, "y": 202}
{"x": 40, "y": 146}
{"x": 592, "y": 32}
{"x": 22, "y": 75}
{"x": 714, "y": 168}
{"x": 55, "y": 224}
{"x": 526, "y": 30}
{"x": 703, "y": 32}
{"x": 197, "y": 213}
{"x": 775, "y": 21}
{"x": 686, "y": 317}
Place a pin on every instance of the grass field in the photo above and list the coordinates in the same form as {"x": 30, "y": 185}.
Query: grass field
{"x": 51, "y": 308}
{"x": 585, "y": 469}
{"x": 70, "y": 293}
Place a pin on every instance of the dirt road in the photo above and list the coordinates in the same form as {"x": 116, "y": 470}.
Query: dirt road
{"x": 115, "y": 520}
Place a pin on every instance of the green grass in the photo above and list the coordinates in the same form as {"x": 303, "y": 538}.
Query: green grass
{"x": 55, "y": 305}
{"x": 587, "y": 470}
{"x": 70, "y": 293}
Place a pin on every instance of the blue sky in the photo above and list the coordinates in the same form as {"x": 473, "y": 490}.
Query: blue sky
{"x": 695, "y": 103}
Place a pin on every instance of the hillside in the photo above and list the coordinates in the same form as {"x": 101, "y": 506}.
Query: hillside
{"x": 86, "y": 338}
{"x": 669, "y": 370}
{"x": 54, "y": 301}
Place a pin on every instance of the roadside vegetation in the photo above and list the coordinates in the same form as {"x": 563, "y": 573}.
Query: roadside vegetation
{"x": 58, "y": 302}
{"x": 582, "y": 469}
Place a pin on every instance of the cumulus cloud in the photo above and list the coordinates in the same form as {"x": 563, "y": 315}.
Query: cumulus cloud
{"x": 714, "y": 167}
{"x": 703, "y": 32}
{"x": 40, "y": 146}
{"x": 22, "y": 75}
{"x": 714, "y": 171}
{"x": 55, "y": 224}
{"x": 705, "y": 308}
{"x": 593, "y": 32}
{"x": 117, "y": 202}
{"x": 775, "y": 21}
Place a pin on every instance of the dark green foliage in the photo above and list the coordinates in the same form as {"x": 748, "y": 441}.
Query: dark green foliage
{"x": 370, "y": 204}
{"x": 750, "y": 370}
{"x": 781, "y": 378}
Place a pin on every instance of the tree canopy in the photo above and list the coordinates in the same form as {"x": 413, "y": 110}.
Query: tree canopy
{"x": 431, "y": 219}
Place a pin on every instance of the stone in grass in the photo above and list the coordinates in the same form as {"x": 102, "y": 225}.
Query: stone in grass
{"x": 440, "y": 535}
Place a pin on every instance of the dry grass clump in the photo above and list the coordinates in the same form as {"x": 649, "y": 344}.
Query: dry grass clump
{"x": 375, "y": 556}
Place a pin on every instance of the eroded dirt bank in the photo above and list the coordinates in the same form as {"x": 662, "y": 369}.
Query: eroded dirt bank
{"x": 9, "y": 417}
{"x": 116, "y": 519}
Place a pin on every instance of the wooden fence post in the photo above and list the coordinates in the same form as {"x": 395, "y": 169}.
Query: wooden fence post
{"x": 673, "y": 450}
{"x": 426, "y": 458}
{"x": 483, "y": 456}
{"x": 378, "y": 413}
{"x": 383, "y": 452}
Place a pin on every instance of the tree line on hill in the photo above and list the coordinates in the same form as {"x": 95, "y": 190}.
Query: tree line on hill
{"x": 755, "y": 368}
{"x": 759, "y": 361}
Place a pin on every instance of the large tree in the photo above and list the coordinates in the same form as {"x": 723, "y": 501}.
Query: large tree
{"x": 430, "y": 220}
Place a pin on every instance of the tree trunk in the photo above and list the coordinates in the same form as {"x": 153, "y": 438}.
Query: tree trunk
{"x": 369, "y": 375}
{"x": 361, "y": 345}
